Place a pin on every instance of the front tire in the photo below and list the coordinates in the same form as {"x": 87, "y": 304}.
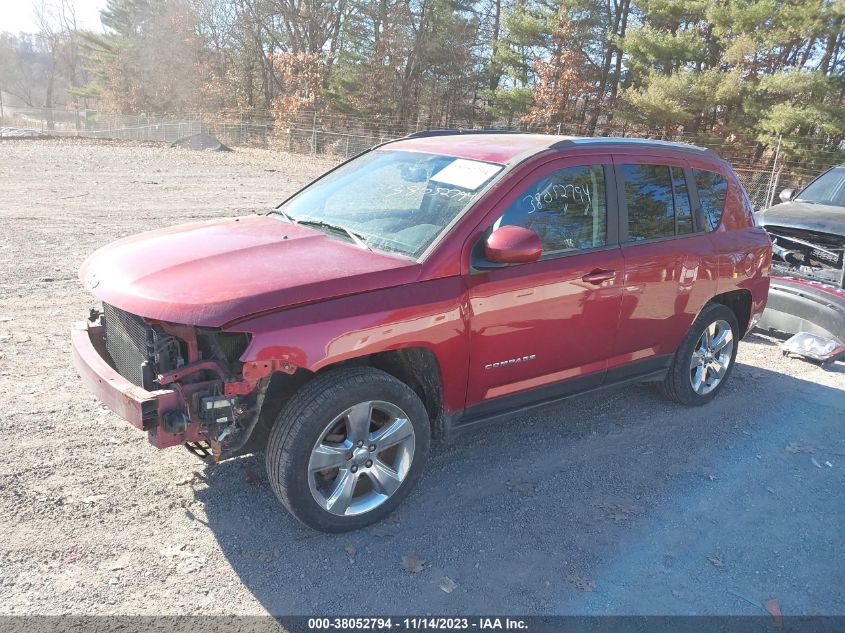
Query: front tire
{"x": 347, "y": 448}
{"x": 705, "y": 359}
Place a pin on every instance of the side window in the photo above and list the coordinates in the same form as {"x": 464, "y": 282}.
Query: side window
{"x": 712, "y": 190}
{"x": 567, "y": 209}
{"x": 683, "y": 208}
{"x": 648, "y": 193}
{"x": 658, "y": 201}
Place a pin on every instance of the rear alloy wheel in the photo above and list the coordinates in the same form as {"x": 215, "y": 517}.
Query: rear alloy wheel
{"x": 705, "y": 358}
{"x": 712, "y": 357}
{"x": 347, "y": 448}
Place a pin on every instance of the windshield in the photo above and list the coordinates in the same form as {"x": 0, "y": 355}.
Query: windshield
{"x": 391, "y": 200}
{"x": 829, "y": 188}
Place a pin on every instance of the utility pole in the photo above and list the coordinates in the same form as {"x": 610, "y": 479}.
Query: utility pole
{"x": 772, "y": 181}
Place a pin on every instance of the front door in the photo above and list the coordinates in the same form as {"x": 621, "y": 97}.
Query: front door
{"x": 537, "y": 324}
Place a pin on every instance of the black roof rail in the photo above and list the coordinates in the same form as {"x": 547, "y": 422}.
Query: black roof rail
{"x": 456, "y": 131}
{"x": 632, "y": 142}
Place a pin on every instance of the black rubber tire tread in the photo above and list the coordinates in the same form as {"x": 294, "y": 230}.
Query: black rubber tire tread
{"x": 676, "y": 385}
{"x": 305, "y": 415}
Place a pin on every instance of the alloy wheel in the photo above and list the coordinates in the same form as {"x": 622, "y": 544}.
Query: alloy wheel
{"x": 361, "y": 458}
{"x": 711, "y": 357}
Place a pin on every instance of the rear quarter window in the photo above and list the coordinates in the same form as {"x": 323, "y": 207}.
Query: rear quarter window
{"x": 657, "y": 200}
{"x": 712, "y": 191}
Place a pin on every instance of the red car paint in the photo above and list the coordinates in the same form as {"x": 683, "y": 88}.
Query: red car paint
{"x": 514, "y": 245}
{"x": 211, "y": 273}
{"x": 310, "y": 301}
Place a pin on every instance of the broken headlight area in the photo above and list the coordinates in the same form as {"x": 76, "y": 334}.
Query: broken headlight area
{"x": 808, "y": 255}
{"x": 202, "y": 365}
{"x": 817, "y": 348}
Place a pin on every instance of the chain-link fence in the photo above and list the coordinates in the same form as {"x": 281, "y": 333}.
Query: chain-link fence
{"x": 759, "y": 167}
{"x": 760, "y": 184}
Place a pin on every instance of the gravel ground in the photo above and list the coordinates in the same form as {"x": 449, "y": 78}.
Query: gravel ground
{"x": 614, "y": 503}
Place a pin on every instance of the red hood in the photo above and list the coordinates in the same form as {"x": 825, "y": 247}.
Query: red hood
{"x": 214, "y": 272}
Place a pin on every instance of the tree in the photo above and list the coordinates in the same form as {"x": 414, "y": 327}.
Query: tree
{"x": 560, "y": 84}
{"x": 150, "y": 58}
{"x": 736, "y": 74}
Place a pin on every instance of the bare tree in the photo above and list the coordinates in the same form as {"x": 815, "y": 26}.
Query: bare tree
{"x": 71, "y": 58}
{"x": 52, "y": 35}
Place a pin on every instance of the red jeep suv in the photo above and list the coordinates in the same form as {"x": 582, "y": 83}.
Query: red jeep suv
{"x": 424, "y": 288}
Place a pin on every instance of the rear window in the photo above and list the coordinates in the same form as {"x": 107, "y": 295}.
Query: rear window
{"x": 657, "y": 200}
{"x": 712, "y": 190}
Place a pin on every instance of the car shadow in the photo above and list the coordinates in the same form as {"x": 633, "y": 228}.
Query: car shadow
{"x": 769, "y": 339}
{"x": 536, "y": 514}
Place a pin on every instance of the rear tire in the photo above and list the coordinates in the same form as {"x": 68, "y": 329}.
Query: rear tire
{"x": 705, "y": 359}
{"x": 347, "y": 448}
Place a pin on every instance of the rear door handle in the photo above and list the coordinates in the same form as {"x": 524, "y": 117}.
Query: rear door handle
{"x": 599, "y": 276}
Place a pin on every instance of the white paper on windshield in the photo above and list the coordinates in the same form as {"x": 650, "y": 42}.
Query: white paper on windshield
{"x": 467, "y": 174}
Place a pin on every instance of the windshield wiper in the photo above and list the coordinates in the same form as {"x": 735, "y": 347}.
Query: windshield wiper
{"x": 355, "y": 237}
{"x": 284, "y": 215}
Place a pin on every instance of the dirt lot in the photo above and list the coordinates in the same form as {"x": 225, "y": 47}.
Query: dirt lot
{"x": 619, "y": 503}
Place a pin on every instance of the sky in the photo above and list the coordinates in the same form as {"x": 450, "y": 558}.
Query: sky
{"x": 19, "y": 15}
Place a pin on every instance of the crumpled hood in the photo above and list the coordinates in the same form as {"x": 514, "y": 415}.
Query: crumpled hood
{"x": 805, "y": 216}
{"x": 212, "y": 273}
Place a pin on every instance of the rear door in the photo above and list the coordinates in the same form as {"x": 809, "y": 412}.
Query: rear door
{"x": 670, "y": 270}
{"x": 533, "y": 325}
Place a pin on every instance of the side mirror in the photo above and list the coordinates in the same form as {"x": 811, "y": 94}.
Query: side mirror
{"x": 786, "y": 195}
{"x": 513, "y": 245}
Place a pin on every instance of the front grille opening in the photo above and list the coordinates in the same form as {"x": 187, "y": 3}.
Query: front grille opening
{"x": 139, "y": 351}
{"x": 129, "y": 343}
{"x": 828, "y": 241}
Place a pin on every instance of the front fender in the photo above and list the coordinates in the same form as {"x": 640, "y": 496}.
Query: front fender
{"x": 428, "y": 315}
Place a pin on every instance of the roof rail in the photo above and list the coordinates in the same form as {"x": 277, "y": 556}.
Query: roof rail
{"x": 456, "y": 131}
{"x": 632, "y": 142}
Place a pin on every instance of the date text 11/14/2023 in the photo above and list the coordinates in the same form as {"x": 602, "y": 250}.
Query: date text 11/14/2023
{"x": 417, "y": 624}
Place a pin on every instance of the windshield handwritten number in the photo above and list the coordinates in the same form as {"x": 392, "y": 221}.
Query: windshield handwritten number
{"x": 425, "y": 190}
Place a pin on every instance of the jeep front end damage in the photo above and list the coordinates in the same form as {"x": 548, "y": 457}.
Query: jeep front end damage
{"x": 807, "y": 292}
{"x": 808, "y": 255}
{"x": 181, "y": 384}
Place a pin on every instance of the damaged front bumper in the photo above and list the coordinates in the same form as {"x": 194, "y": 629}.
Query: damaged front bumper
{"x": 199, "y": 403}
{"x": 798, "y": 305}
{"x": 807, "y": 290}
{"x": 151, "y": 411}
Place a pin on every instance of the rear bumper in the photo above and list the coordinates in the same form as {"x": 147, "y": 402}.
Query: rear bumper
{"x": 143, "y": 409}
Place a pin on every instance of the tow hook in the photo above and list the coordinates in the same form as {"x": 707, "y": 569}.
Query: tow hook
{"x": 175, "y": 421}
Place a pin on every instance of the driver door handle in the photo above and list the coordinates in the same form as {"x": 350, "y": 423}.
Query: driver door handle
{"x": 599, "y": 276}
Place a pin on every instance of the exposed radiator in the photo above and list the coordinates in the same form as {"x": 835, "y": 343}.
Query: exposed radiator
{"x": 129, "y": 342}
